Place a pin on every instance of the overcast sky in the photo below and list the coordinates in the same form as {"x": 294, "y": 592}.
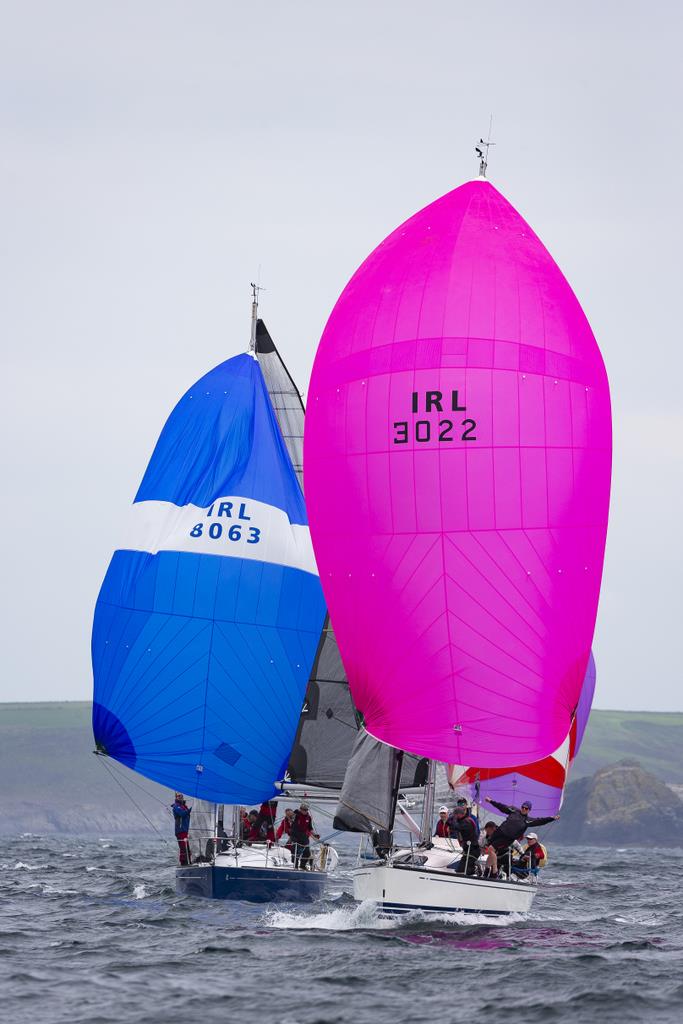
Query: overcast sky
{"x": 155, "y": 154}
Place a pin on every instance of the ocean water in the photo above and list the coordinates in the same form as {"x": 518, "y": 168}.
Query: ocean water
{"x": 91, "y": 930}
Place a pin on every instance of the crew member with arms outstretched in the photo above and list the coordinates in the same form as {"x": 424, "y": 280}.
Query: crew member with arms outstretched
{"x": 513, "y": 827}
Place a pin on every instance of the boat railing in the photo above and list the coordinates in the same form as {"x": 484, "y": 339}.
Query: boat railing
{"x": 367, "y": 851}
{"x": 205, "y": 846}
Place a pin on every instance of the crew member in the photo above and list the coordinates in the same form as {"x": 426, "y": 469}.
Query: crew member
{"x": 443, "y": 829}
{"x": 468, "y": 837}
{"x": 285, "y": 828}
{"x": 266, "y": 821}
{"x": 181, "y": 816}
{"x": 491, "y": 869}
{"x": 251, "y": 832}
{"x": 515, "y": 825}
{"x": 533, "y": 857}
{"x": 464, "y": 802}
{"x": 300, "y": 835}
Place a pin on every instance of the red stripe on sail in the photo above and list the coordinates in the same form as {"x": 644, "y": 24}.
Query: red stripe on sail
{"x": 548, "y": 771}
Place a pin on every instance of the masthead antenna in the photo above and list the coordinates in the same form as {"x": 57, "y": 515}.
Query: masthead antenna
{"x": 255, "y": 290}
{"x": 482, "y": 150}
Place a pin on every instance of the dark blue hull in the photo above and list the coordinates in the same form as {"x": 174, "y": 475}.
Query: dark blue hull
{"x": 255, "y": 885}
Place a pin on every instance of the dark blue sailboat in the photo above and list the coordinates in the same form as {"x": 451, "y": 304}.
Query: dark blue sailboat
{"x": 208, "y": 621}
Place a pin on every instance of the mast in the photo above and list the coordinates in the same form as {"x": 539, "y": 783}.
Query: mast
{"x": 255, "y": 289}
{"x": 428, "y": 803}
{"x": 482, "y": 150}
{"x": 397, "y": 785}
{"x": 476, "y": 802}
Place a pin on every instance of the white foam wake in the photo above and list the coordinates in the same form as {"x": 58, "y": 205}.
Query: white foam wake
{"x": 366, "y": 916}
{"x": 20, "y": 866}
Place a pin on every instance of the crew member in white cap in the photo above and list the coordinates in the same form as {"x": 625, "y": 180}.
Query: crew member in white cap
{"x": 532, "y": 857}
{"x": 443, "y": 829}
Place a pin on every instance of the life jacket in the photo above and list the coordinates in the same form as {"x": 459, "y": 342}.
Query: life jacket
{"x": 442, "y": 829}
{"x": 538, "y": 855}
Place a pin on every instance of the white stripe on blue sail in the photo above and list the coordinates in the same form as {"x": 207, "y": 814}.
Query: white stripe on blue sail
{"x": 209, "y": 616}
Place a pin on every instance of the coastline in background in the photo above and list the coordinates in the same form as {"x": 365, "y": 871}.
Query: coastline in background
{"x": 52, "y": 782}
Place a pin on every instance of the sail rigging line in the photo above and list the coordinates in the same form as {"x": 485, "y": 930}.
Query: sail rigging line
{"x": 164, "y": 839}
{"x": 336, "y": 717}
{"x": 133, "y": 782}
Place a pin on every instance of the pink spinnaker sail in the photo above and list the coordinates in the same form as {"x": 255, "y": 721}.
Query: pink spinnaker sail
{"x": 457, "y": 470}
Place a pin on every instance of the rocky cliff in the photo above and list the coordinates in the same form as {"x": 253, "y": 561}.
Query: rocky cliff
{"x": 620, "y": 805}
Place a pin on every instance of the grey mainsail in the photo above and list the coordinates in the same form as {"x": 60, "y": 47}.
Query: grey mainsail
{"x": 368, "y": 795}
{"x": 284, "y": 397}
{"x": 376, "y": 775}
{"x": 328, "y": 725}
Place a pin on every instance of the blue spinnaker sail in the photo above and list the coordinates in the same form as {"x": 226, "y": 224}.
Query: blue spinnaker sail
{"x": 209, "y": 615}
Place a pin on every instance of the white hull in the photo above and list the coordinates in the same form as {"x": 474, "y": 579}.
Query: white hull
{"x": 398, "y": 889}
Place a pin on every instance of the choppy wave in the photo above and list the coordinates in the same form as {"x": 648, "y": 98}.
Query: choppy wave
{"x": 21, "y": 866}
{"x": 106, "y": 938}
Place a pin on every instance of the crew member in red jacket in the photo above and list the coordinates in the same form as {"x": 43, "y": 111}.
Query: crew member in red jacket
{"x": 251, "y": 830}
{"x": 266, "y": 821}
{"x": 300, "y": 834}
{"x": 285, "y": 828}
{"x": 443, "y": 829}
